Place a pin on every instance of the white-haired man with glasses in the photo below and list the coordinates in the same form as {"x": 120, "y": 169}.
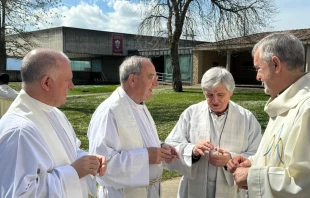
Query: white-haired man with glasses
{"x": 123, "y": 130}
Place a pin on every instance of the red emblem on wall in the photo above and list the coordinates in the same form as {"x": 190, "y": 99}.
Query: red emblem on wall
{"x": 117, "y": 43}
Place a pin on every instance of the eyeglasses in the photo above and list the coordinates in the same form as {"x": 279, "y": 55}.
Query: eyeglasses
{"x": 153, "y": 77}
{"x": 150, "y": 77}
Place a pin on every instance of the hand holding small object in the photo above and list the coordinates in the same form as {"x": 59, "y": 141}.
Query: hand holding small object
{"x": 219, "y": 157}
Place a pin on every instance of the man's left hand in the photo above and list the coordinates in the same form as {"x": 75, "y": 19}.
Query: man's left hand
{"x": 174, "y": 154}
{"x": 240, "y": 176}
{"x": 103, "y": 164}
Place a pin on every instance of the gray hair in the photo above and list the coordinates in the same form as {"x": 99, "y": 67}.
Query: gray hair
{"x": 215, "y": 76}
{"x": 131, "y": 65}
{"x": 288, "y": 48}
{"x": 40, "y": 62}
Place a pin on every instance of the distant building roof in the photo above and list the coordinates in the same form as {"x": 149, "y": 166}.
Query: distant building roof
{"x": 250, "y": 40}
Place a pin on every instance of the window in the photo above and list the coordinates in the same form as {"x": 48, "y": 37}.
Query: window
{"x": 80, "y": 65}
{"x": 96, "y": 65}
{"x": 13, "y": 64}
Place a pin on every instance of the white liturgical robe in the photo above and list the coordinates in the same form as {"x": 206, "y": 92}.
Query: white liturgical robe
{"x": 240, "y": 133}
{"x": 7, "y": 92}
{"x": 7, "y": 95}
{"x": 281, "y": 166}
{"x": 37, "y": 146}
{"x": 122, "y": 130}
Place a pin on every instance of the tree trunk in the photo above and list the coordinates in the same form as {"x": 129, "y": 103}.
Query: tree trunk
{"x": 2, "y": 53}
{"x": 176, "y": 72}
{"x": 2, "y": 40}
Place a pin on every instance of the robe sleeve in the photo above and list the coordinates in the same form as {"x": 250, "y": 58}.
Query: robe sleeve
{"x": 28, "y": 169}
{"x": 179, "y": 138}
{"x": 90, "y": 180}
{"x": 126, "y": 168}
{"x": 293, "y": 179}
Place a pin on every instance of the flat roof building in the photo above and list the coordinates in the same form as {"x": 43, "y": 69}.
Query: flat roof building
{"x": 96, "y": 55}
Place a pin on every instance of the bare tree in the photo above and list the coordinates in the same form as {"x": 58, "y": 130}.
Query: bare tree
{"x": 17, "y": 18}
{"x": 222, "y": 19}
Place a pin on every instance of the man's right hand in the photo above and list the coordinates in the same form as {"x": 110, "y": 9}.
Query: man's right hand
{"x": 85, "y": 165}
{"x": 201, "y": 147}
{"x": 157, "y": 155}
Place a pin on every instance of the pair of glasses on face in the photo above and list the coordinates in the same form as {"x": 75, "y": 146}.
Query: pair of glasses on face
{"x": 153, "y": 77}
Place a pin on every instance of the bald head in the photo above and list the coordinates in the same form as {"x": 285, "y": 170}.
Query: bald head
{"x": 47, "y": 76}
{"x": 40, "y": 62}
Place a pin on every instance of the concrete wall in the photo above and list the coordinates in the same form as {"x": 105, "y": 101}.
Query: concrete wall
{"x": 204, "y": 60}
{"x": 86, "y": 41}
{"x": 50, "y": 38}
{"x": 197, "y": 66}
{"x": 84, "y": 44}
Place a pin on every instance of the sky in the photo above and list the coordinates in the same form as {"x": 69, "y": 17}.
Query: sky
{"x": 123, "y": 16}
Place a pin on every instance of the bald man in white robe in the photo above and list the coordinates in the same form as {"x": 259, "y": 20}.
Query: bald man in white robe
{"x": 40, "y": 155}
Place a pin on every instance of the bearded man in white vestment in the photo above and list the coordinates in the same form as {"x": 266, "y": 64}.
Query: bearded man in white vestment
{"x": 208, "y": 135}
{"x": 123, "y": 130}
{"x": 281, "y": 166}
{"x": 39, "y": 151}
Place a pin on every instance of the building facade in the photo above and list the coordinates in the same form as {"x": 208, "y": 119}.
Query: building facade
{"x": 236, "y": 55}
{"x": 96, "y": 55}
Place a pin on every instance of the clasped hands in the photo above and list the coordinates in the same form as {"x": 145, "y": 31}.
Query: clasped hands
{"x": 238, "y": 166}
{"x": 90, "y": 164}
{"x": 166, "y": 153}
{"x": 217, "y": 157}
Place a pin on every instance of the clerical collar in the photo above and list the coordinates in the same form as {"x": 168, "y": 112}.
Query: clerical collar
{"x": 43, "y": 106}
{"x": 223, "y": 113}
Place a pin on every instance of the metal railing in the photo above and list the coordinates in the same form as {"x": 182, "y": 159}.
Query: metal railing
{"x": 164, "y": 78}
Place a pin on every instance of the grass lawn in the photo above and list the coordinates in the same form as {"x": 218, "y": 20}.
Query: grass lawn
{"x": 15, "y": 85}
{"x": 79, "y": 89}
{"x": 165, "y": 107}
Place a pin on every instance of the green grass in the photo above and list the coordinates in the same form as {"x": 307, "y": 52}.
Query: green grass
{"x": 91, "y": 89}
{"x": 77, "y": 90}
{"x": 166, "y": 106}
{"x": 16, "y": 85}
